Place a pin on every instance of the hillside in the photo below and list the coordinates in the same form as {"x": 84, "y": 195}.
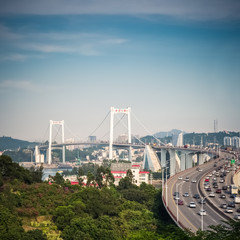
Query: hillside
{"x": 13, "y": 144}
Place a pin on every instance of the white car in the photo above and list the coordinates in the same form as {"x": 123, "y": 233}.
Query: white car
{"x": 176, "y": 197}
{"x": 194, "y": 181}
{"x": 212, "y": 194}
{"x": 229, "y": 210}
{"x": 237, "y": 216}
{"x": 192, "y": 204}
{"x": 186, "y": 194}
{"x": 180, "y": 178}
{"x": 202, "y": 212}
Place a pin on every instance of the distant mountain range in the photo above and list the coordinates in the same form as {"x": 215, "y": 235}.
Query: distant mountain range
{"x": 13, "y": 144}
{"x": 168, "y": 134}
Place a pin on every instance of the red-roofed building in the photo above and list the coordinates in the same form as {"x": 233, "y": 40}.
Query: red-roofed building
{"x": 138, "y": 176}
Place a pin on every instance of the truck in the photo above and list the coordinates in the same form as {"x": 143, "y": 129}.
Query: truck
{"x": 237, "y": 199}
{"x": 234, "y": 189}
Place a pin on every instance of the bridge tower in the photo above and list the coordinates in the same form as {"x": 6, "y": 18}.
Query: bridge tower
{"x": 122, "y": 111}
{"x": 61, "y": 123}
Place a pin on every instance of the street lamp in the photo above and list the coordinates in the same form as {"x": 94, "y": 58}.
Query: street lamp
{"x": 202, "y": 199}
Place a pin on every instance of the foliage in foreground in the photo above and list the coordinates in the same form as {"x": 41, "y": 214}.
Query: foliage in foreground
{"x": 76, "y": 212}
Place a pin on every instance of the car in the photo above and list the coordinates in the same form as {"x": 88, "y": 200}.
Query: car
{"x": 237, "y": 216}
{"x": 221, "y": 180}
{"x": 176, "y": 194}
{"x": 229, "y": 210}
{"x": 176, "y": 197}
{"x": 186, "y": 179}
{"x": 218, "y": 190}
{"x": 209, "y": 189}
{"x": 196, "y": 196}
{"x": 186, "y": 194}
{"x": 200, "y": 170}
{"x": 180, "y": 178}
{"x": 238, "y": 210}
{"x": 224, "y": 187}
{"x": 206, "y": 186}
{"x": 194, "y": 181}
{"x": 214, "y": 179}
{"x": 231, "y": 204}
{"x": 192, "y": 204}
{"x": 206, "y": 180}
{"x": 224, "y": 205}
{"x": 223, "y": 196}
{"x": 211, "y": 194}
{"x": 180, "y": 202}
{"x": 232, "y": 195}
{"x": 215, "y": 186}
{"x": 202, "y": 212}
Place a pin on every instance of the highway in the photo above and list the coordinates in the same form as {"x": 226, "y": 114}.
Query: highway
{"x": 189, "y": 218}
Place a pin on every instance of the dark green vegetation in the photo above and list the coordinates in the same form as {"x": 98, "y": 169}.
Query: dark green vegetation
{"x": 31, "y": 209}
{"x": 13, "y": 144}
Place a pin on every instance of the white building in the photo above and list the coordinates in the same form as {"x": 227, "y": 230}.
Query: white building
{"x": 39, "y": 158}
{"x": 232, "y": 141}
{"x": 177, "y": 140}
{"x": 236, "y": 142}
{"x": 227, "y": 141}
{"x": 138, "y": 175}
{"x": 70, "y": 147}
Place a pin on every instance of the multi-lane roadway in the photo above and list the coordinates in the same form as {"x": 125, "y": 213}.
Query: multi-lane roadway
{"x": 191, "y": 181}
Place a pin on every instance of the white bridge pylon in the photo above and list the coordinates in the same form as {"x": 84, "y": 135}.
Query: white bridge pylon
{"x": 61, "y": 123}
{"x": 122, "y": 111}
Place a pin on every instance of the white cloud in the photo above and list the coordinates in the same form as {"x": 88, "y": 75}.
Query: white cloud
{"x": 114, "y": 41}
{"x": 204, "y": 9}
{"x": 47, "y": 48}
{"x": 23, "y": 85}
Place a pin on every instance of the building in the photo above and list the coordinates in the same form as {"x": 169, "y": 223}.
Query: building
{"x": 70, "y": 147}
{"x": 119, "y": 171}
{"x": 232, "y": 141}
{"x": 39, "y": 158}
{"x": 92, "y": 139}
{"x": 236, "y": 142}
{"x": 177, "y": 140}
{"x": 227, "y": 141}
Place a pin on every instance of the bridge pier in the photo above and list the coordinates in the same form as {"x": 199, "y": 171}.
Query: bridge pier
{"x": 130, "y": 154}
{"x": 200, "y": 159}
{"x": 183, "y": 161}
{"x": 163, "y": 157}
{"x": 189, "y": 160}
{"x": 172, "y": 154}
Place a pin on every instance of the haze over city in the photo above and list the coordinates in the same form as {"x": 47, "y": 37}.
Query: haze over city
{"x": 175, "y": 63}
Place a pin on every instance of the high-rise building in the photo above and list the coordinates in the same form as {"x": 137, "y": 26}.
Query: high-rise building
{"x": 215, "y": 125}
{"x": 92, "y": 139}
{"x": 227, "y": 141}
{"x": 236, "y": 142}
{"x": 177, "y": 140}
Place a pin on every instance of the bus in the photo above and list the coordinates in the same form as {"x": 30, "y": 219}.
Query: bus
{"x": 234, "y": 189}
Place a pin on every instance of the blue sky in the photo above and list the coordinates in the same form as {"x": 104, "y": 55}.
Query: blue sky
{"x": 175, "y": 63}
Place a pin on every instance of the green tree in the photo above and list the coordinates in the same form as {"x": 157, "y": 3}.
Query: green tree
{"x": 63, "y": 216}
{"x": 35, "y": 234}
{"x": 90, "y": 179}
{"x": 10, "y": 225}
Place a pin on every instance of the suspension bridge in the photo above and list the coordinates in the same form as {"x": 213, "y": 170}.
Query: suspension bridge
{"x": 175, "y": 159}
